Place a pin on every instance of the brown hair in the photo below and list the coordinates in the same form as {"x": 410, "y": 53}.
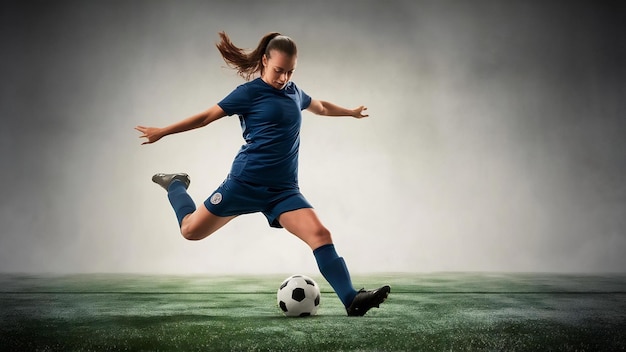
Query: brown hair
{"x": 246, "y": 62}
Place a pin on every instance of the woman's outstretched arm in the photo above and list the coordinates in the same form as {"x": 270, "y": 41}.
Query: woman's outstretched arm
{"x": 153, "y": 134}
{"x": 324, "y": 108}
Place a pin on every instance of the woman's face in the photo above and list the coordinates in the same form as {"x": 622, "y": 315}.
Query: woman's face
{"x": 278, "y": 68}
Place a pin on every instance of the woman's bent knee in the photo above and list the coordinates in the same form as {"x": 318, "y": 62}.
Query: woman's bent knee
{"x": 197, "y": 227}
{"x": 191, "y": 232}
{"x": 192, "y": 236}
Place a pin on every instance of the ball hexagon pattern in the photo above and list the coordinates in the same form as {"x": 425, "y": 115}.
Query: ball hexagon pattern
{"x": 298, "y": 296}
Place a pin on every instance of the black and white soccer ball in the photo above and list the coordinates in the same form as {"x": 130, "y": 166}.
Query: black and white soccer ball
{"x": 298, "y": 296}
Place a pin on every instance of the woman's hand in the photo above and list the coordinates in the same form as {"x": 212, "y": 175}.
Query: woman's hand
{"x": 151, "y": 134}
{"x": 359, "y": 112}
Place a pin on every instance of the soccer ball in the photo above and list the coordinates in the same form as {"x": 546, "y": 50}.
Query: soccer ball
{"x": 298, "y": 296}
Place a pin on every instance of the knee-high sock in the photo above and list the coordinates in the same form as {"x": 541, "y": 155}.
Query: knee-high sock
{"x": 180, "y": 200}
{"x": 334, "y": 270}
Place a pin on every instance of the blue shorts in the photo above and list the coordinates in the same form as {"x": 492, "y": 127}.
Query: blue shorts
{"x": 236, "y": 197}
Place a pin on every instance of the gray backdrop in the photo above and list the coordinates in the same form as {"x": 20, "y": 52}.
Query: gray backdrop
{"x": 496, "y": 140}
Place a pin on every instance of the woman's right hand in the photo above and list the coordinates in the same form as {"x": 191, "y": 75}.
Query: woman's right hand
{"x": 151, "y": 134}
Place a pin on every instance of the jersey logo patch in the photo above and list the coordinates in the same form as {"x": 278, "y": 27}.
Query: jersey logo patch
{"x": 216, "y": 198}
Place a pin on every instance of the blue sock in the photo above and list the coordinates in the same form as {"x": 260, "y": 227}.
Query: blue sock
{"x": 180, "y": 200}
{"x": 334, "y": 270}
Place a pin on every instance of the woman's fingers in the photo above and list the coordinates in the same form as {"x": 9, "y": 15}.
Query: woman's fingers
{"x": 151, "y": 134}
{"x": 359, "y": 112}
{"x": 144, "y": 134}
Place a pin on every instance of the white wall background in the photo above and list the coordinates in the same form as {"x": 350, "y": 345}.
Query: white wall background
{"x": 495, "y": 142}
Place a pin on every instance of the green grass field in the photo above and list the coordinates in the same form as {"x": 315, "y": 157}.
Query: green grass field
{"x": 425, "y": 312}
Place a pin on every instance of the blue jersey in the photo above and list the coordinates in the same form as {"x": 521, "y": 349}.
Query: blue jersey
{"x": 270, "y": 120}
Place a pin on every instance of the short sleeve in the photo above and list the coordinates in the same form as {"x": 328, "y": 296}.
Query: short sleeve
{"x": 237, "y": 102}
{"x": 305, "y": 100}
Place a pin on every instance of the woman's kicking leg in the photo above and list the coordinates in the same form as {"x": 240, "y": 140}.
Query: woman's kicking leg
{"x": 305, "y": 224}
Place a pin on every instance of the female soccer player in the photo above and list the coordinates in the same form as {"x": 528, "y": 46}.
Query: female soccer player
{"x": 264, "y": 175}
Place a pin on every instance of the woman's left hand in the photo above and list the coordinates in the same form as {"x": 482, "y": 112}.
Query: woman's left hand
{"x": 359, "y": 112}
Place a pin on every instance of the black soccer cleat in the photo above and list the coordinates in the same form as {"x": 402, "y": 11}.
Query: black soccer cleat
{"x": 365, "y": 300}
{"x": 165, "y": 180}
